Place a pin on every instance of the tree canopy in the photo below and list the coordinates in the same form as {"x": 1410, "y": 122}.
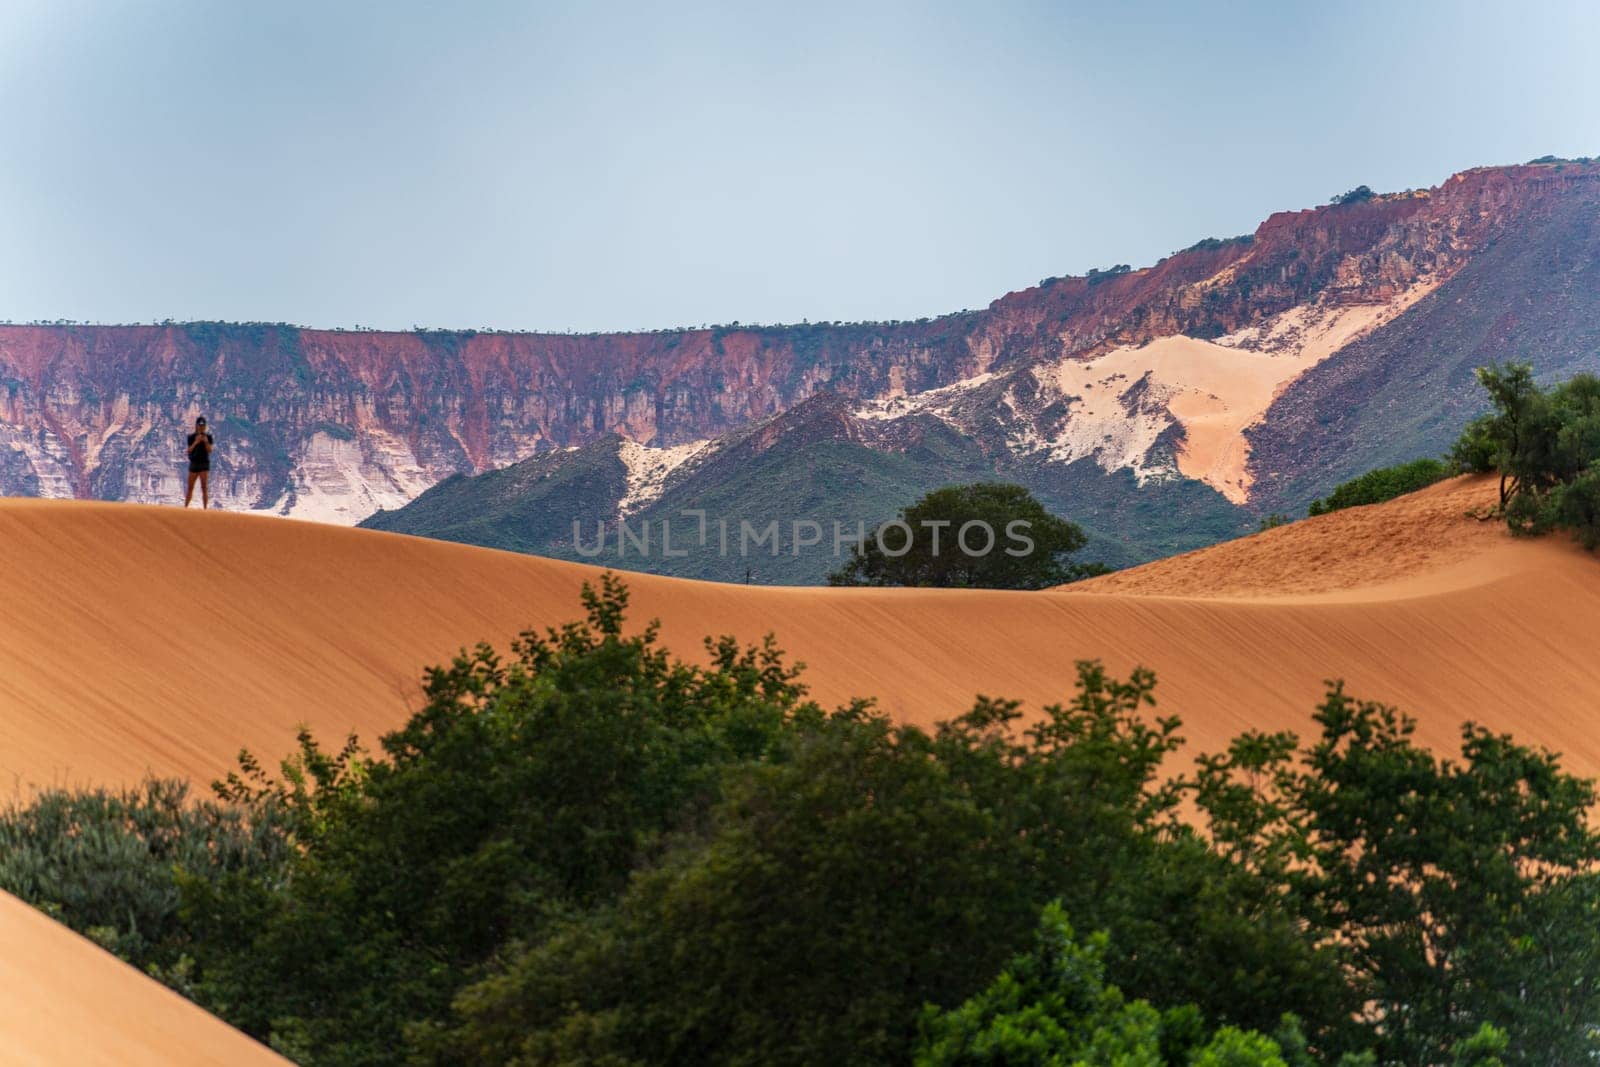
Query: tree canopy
{"x": 987, "y": 535}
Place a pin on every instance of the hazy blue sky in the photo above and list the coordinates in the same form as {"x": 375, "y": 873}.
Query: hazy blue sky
{"x": 634, "y": 165}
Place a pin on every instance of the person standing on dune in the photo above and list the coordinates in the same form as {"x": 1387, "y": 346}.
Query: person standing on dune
{"x": 200, "y": 445}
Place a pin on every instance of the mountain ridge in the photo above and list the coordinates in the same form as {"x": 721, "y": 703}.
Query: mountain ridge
{"x": 340, "y": 425}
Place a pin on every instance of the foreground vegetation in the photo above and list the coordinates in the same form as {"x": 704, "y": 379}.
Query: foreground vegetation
{"x": 592, "y": 853}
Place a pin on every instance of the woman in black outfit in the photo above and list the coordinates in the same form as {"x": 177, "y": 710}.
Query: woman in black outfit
{"x": 200, "y": 445}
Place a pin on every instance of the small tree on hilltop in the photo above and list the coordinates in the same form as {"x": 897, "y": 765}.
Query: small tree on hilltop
{"x": 1359, "y": 195}
{"x": 986, "y": 535}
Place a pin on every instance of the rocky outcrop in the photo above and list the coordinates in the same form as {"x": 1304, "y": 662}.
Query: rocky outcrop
{"x": 336, "y": 425}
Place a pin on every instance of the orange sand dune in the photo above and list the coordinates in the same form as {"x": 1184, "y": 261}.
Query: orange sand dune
{"x": 137, "y": 639}
{"x": 69, "y": 1002}
{"x": 1429, "y": 541}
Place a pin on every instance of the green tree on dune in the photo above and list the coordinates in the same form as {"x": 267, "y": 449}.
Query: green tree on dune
{"x": 1545, "y": 445}
{"x": 987, "y": 535}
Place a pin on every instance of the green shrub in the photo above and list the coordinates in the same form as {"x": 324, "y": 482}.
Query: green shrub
{"x": 1575, "y": 506}
{"x": 109, "y": 863}
{"x": 1385, "y": 483}
{"x": 1054, "y": 1005}
{"x": 1359, "y": 195}
{"x": 1474, "y": 451}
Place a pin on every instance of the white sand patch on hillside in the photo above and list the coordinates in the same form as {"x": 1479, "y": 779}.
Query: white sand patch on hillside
{"x": 1214, "y": 389}
{"x": 648, "y": 469}
{"x": 1107, "y": 421}
{"x": 934, "y": 401}
{"x": 339, "y": 480}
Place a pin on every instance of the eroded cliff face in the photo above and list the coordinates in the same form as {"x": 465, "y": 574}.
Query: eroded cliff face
{"x": 335, "y": 425}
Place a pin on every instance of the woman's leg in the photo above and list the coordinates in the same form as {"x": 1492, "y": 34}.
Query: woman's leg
{"x": 189, "y": 490}
{"x": 205, "y": 489}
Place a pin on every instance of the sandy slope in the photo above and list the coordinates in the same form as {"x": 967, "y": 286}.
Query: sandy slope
{"x": 1426, "y": 542}
{"x": 66, "y": 1001}
{"x": 138, "y": 639}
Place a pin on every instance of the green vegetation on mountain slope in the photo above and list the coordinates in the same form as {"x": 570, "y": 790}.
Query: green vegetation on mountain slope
{"x": 1544, "y": 444}
{"x": 536, "y": 505}
{"x": 532, "y": 506}
{"x": 825, "y": 481}
{"x": 590, "y": 852}
{"x": 522, "y": 508}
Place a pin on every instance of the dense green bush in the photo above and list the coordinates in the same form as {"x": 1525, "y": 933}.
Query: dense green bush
{"x": 1053, "y": 1005}
{"x": 1465, "y": 891}
{"x": 875, "y": 868}
{"x": 1545, "y": 444}
{"x": 520, "y": 794}
{"x": 109, "y": 863}
{"x": 1385, "y": 483}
